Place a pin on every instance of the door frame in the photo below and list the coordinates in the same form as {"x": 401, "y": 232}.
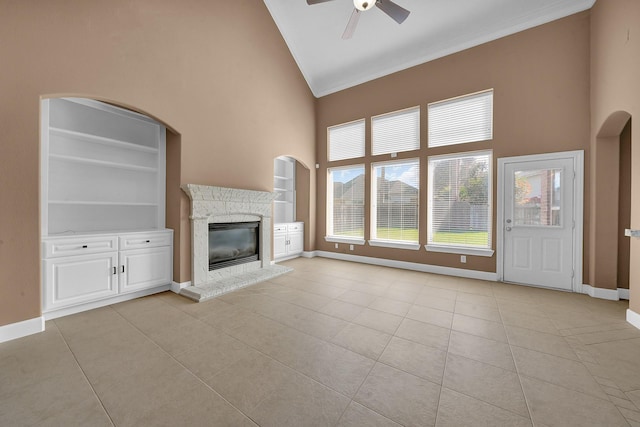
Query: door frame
{"x": 578, "y": 210}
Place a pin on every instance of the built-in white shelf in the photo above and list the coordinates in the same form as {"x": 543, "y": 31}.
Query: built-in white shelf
{"x": 102, "y": 206}
{"x": 103, "y": 163}
{"x": 90, "y": 203}
{"x": 101, "y": 140}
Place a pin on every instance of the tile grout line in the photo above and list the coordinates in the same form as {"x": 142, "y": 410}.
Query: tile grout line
{"x": 526, "y": 399}
{"x": 180, "y": 363}
{"x": 84, "y": 373}
{"x": 446, "y": 360}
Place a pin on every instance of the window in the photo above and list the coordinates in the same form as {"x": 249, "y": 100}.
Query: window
{"x": 346, "y": 141}
{"x": 394, "y": 211}
{"x": 345, "y": 204}
{"x": 459, "y": 120}
{"x": 459, "y": 206}
{"x": 396, "y": 132}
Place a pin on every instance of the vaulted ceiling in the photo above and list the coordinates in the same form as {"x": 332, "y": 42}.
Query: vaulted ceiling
{"x": 380, "y": 46}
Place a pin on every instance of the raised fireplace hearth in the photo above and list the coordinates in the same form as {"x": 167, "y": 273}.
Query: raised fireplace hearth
{"x": 237, "y": 219}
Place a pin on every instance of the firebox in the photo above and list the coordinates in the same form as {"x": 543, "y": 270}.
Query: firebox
{"x": 233, "y": 243}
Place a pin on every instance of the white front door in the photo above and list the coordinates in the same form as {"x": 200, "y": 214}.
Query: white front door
{"x": 538, "y": 221}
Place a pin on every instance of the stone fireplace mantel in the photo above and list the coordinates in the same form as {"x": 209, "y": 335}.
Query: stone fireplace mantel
{"x": 223, "y": 205}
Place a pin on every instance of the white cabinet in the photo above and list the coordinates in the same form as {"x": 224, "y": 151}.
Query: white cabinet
{"x": 77, "y": 279}
{"x": 144, "y": 268}
{"x": 102, "y": 205}
{"x": 288, "y": 240}
{"x": 87, "y": 269}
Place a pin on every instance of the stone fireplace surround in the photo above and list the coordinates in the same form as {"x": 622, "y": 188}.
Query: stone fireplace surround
{"x": 219, "y": 204}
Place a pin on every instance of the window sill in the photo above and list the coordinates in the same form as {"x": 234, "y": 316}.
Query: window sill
{"x": 462, "y": 250}
{"x": 350, "y": 241}
{"x": 395, "y": 244}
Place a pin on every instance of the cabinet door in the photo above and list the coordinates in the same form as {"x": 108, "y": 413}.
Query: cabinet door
{"x": 296, "y": 242}
{"x": 279, "y": 245}
{"x": 145, "y": 268}
{"x": 73, "y": 280}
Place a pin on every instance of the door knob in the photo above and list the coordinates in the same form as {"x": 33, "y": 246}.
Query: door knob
{"x": 508, "y": 228}
{"x": 508, "y": 221}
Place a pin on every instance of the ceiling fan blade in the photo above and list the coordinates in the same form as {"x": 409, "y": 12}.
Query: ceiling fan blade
{"x": 310, "y": 2}
{"x": 397, "y": 13}
{"x": 351, "y": 25}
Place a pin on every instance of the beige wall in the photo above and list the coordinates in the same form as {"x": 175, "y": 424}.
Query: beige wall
{"x": 615, "y": 97}
{"x": 217, "y": 72}
{"x": 540, "y": 79}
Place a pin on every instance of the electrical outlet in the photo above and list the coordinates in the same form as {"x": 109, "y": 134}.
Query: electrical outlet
{"x": 350, "y": 247}
{"x": 463, "y": 259}
{"x": 336, "y": 246}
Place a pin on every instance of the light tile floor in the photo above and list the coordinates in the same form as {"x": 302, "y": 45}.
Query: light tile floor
{"x": 337, "y": 344}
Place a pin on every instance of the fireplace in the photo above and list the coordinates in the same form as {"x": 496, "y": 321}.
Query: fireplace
{"x": 242, "y": 256}
{"x": 233, "y": 243}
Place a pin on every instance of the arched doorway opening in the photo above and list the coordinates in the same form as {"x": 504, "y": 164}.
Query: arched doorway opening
{"x": 610, "y": 260}
{"x": 291, "y": 208}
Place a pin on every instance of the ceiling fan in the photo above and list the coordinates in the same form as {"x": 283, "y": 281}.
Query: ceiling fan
{"x": 395, "y": 12}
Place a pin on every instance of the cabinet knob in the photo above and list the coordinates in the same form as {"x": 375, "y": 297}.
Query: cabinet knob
{"x": 84, "y": 246}
{"x": 148, "y": 241}
{"x": 115, "y": 271}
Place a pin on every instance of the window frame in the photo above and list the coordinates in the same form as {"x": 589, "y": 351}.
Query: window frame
{"x": 396, "y": 113}
{"x": 362, "y": 121}
{"x": 373, "y": 206}
{"x": 453, "y": 100}
{"x": 460, "y": 248}
{"x": 329, "y": 224}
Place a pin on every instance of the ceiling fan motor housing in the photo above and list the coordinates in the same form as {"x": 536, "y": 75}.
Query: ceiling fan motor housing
{"x": 363, "y": 5}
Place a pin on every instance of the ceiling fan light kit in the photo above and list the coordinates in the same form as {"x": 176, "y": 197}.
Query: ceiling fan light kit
{"x": 394, "y": 11}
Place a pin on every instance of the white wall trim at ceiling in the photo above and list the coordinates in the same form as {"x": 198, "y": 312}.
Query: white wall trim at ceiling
{"x": 414, "y": 266}
{"x": 362, "y": 70}
{"x": 633, "y": 318}
{"x": 17, "y": 330}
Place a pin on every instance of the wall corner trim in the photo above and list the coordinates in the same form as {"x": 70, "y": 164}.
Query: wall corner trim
{"x": 425, "y": 268}
{"x": 175, "y": 287}
{"x": 17, "y": 330}
{"x": 633, "y": 318}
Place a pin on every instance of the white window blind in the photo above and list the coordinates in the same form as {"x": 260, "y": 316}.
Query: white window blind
{"x": 460, "y": 120}
{"x": 396, "y": 132}
{"x": 346, "y": 141}
{"x": 395, "y": 191}
{"x": 459, "y": 209}
{"x": 345, "y": 202}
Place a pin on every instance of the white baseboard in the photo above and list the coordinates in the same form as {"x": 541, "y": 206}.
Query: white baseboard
{"x": 309, "y": 254}
{"x": 176, "y": 287}
{"x": 54, "y": 314}
{"x": 633, "y": 318}
{"x": 608, "y": 294}
{"x": 623, "y": 293}
{"x": 425, "y": 268}
{"x": 17, "y": 330}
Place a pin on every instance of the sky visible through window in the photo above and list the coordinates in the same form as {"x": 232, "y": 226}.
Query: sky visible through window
{"x": 405, "y": 173}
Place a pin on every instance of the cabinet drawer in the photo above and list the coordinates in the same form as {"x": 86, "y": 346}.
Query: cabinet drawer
{"x": 280, "y": 228}
{"x": 145, "y": 240}
{"x": 298, "y": 226}
{"x": 78, "y": 246}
